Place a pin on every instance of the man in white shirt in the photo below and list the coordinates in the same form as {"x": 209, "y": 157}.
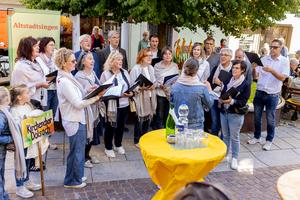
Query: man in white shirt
{"x": 274, "y": 71}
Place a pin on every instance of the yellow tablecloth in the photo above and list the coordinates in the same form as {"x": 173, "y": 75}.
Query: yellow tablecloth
{"x": 172, "y": 169}
{"x": 288, "y": 185}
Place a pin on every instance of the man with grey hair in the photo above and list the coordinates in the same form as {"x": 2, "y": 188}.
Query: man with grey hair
{"x": 240, "y": 55}
{"x": 85, "y": 42}
{"x": 297, "y": 55}
{"x": 114, "y": 41}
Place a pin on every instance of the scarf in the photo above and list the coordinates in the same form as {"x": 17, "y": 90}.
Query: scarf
{"x": 97, "y": 107}
{"x": 189, "y": 80}
{"x": 87, "y": 110}
{"x": 234, "y": 83}
{"x": 20, "y": 165}
{"x": 161, "y": 71}
{"x": 216, "y": 75}
{"x": 145, "y": 100}
{"x": 36, "y": 66}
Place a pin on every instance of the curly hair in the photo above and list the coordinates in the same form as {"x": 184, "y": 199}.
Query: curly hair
{"x": 62, "y": 56}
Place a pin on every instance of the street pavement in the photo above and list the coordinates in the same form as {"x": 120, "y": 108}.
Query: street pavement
{"x": 125, "y": 177}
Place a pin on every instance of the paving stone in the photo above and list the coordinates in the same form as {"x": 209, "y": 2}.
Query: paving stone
{"x": 133, "y": 155}
{"x": 278, "y": 157}
{"x": 282, "y": 144}
{"x": 292, "y": 141}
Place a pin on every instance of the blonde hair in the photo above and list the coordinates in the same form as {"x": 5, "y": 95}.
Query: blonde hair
{"x": 62, "y": 56}
{"x": 94, "y": 29}
{"x": 15, "y": 92}
{"x": 112, "y": 56}
{"x": 3, "y": 94}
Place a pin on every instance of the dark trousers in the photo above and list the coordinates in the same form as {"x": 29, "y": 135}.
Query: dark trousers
{"x": 116, "y": 133}
{"x": 162, "y": 111}
{"x": 140, "y": 128}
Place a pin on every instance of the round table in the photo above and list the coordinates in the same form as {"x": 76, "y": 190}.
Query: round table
{"x": 288, "y": 185}
{"x": 171, "y": 169}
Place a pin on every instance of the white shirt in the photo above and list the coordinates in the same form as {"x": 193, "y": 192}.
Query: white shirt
{"x": 154, "y": 54}
{"x": 112, "y": 49}
{"x": 266, "y": 81}
{"x": 123, "y": 101}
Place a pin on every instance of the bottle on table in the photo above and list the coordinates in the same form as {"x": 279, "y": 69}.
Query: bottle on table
{"x": 182, "y": 125}
{"x": 171, "y": 122}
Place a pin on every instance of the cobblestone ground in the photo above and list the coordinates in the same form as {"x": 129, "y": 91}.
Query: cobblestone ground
{"x": 259, "y": 185}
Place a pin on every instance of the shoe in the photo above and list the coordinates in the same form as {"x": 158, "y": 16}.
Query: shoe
{"x": 110, "y": 153}
{"x": 32, "y": 186}
{"x": 234, "y": 164}
{"x": 23, "y": 192}
{"x": 120, "y": 150}
{"x": 254, "y": 141}
{"x": 82, "y": 185}
{"x": 137, "y": 145}
{"x": 267, "y": 146}
{"x": 94, "y": 160}
{"x": 84, "y": 179}
{"x": 53, "y": 147}
{"x": 88, "y": 164}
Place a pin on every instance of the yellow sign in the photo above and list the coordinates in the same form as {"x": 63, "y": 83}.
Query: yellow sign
{"x": 34, "y": 128}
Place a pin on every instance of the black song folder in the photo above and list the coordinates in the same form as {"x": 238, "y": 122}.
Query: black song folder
{"x": 254, "y": 58}
{"x": 232, "y": 92}
{"x": 97, "y": 91}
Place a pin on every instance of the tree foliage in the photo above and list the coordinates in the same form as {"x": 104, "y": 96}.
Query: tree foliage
{"x": 231, "y": 16}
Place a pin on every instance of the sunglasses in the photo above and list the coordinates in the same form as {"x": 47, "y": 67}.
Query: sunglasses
{"x": 274, "y": 47}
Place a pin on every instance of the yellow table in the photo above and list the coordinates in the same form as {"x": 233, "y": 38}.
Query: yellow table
{"x": 171, "y": 169}
{"x": 288, "y": 185}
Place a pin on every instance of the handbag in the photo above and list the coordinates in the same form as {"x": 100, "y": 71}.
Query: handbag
{"x": 242, "y": 110}
{"x": 132, "y": 105}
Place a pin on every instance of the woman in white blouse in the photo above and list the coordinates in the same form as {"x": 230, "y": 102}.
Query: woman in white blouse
{"x": 77, "y": 117}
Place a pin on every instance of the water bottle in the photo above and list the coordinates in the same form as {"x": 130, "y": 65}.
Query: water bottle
{"x": 183, "y": 112}
{"x": 182, "y": 125}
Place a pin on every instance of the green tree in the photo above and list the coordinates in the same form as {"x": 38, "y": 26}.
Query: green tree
{"x": 231, "y": 16}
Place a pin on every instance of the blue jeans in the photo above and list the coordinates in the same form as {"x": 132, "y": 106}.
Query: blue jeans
{"x": 270, "y": 101}
{"x": 20, "y": 182}
{"x": 215, "y": 119}
{"x": 52, "y": 101}
{"x": 76, "y": 157}
{"x": 3, "y": 194}
{"x": 231, "y": 124}
{"x": 162, "y": 111}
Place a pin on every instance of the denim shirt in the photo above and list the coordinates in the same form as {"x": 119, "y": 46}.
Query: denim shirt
{"x": 196, "y": 97}
{"x": 5, "y": 135}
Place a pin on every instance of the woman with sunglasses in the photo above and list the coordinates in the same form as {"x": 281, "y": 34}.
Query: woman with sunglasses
{"x": 77, "y": 117}
{"x": 233, "y": 109}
